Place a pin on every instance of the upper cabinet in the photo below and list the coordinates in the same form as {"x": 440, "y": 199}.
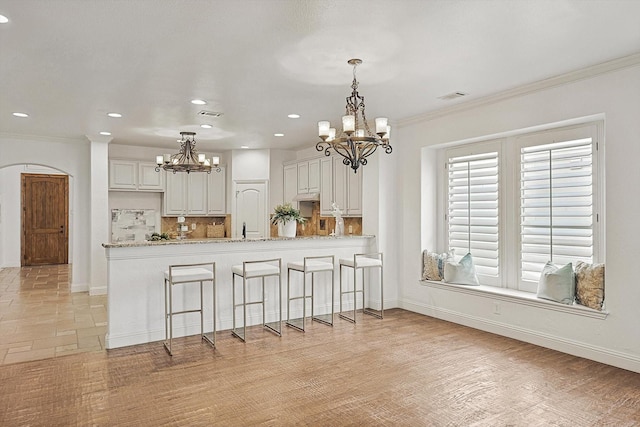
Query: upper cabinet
{"x": 326, "y": 186}
{"x": 216, "y": 192}
{"x": 329, "y": 177}
{"x": 309, "y": 177}
{"x": 195, "y": 194}
{"x": 133, "y": 175}
{"x": 347, "y": 190}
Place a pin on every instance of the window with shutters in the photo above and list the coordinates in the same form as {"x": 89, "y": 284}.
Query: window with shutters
{"x": 473, "y": 211}
{"x": 522, "y": 201}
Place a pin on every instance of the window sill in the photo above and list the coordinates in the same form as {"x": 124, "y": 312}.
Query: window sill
{"x": 516, "y": 297}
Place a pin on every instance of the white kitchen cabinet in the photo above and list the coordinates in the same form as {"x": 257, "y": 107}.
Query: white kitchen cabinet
{"x": 148, "y": 178}
{"x": 195, "y": 194}
{"x": 135, "y": 176}
{"x": 309, "y": 177}
{"x": 347, "y": 188}
{"x": 326, "y": 186}
{"x": 354, "y": 192}
{"x": 290, "y": 184}
{"x": 123, "y": 175}
{"x": 175, "y": 195}
{"x": 197, "y": 185}
{"x": 217, "y": 192}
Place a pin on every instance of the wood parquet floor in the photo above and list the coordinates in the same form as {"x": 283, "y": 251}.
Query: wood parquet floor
{"x": 404, "y": 370}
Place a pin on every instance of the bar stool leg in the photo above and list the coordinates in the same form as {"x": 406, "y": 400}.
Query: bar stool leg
{"x": 244, "y": 307}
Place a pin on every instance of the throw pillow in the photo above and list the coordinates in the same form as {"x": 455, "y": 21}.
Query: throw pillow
{"x": 433, "y": 265}
{"x": 557, "y": 283}
{"x": 590, "y": 285}
{"x": 462, "y": 272}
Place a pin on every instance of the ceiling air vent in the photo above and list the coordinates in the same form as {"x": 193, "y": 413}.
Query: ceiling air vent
{"x": 452, "y": 95}
{"x": 209, "y": 113}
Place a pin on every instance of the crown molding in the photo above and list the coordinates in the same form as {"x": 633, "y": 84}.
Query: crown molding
{"x": 562, "y": 79}
{"x": 41, "y": 138}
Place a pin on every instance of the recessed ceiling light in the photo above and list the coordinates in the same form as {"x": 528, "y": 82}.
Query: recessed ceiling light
{"x": 206, "y": 126}
{"x": 105, "y": 133}
{"x": 198, "y": 102}
{"x": 21, "y": 114}
{"x": 116, "y": 115}
{"x": 3, "y": 19}
{"x": 278, "y": 134}
{"x": 294, "y": 116}
{"x": 244, "y": 146}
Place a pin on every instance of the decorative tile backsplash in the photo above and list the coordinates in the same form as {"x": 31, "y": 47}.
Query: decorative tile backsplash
{"x": 170, "y": 225}
{"x": 315, "y": 226}
{"x": 323, "y": 225}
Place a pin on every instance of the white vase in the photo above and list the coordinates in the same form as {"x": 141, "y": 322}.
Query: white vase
{"x": 287, "y": 229}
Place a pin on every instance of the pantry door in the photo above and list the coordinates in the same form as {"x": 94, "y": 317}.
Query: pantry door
{"x": 251, "y": 209}
{"x": 45, "y": 219}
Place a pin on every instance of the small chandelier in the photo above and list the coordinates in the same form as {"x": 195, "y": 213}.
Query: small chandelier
{"x": 355, "y": 142}
{"x": 187, "y": 159}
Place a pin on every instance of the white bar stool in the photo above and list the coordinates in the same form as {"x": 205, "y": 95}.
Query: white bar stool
{"x": 251, "y": 270}
{"x": 362, "y": 262}
{"x": 179, "y": 275}
{"x": 309, "y": 265}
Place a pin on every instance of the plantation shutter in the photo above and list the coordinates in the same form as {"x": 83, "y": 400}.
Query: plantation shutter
{"x": 472, "y": 215}
{"x": 557, "y": 210}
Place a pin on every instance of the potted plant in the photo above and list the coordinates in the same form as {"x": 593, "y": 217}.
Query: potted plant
{"x": 286, "y": 217}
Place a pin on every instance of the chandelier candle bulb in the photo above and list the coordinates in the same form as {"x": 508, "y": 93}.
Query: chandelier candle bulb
{"x": 216, "y": 161}
{"x": 323, "y": 128}
{"x": 166, "y": 158}
{"x": 381, "y": 125}
{"x": 201, "y": 158}
{"x": 360, "y": 133}
{"x": 348, "y": 124}
{"x": 332, "y": 134}
{"x": 159, "y": 160}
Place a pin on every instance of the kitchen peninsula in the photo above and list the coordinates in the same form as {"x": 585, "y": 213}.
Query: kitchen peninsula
{"x": 135, "y": 287}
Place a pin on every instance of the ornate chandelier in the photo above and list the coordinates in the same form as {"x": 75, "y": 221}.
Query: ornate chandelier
{"x": 187, "y": 159}
{"x": 355, "y": 142}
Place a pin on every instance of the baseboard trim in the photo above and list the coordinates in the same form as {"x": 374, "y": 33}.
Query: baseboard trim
{"x": 79, "y": 287}
{"x": 98, "y": 290}
{"x": 576, "y": 348}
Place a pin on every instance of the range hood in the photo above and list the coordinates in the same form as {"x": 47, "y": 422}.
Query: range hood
{"x": 307, "y": 197}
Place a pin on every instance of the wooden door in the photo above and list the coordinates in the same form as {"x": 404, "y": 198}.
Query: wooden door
{"x": 45, "y": 219}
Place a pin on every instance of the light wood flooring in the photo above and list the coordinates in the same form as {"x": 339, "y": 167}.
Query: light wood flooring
{"x": 404, "y": 370}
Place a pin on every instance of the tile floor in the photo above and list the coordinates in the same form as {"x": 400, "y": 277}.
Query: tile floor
{"x": 40, "y": 318}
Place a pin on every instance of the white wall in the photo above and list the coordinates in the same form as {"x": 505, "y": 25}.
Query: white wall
{"x": 250, "y": 165}
{"x": 614, "y": 340}
{"x": 68, "y": 156}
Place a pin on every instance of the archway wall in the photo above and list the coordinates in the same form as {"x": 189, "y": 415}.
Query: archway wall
{"x": 68, "y": 156}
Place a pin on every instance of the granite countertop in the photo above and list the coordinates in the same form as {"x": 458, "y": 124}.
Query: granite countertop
{"x": 222, "y": 240}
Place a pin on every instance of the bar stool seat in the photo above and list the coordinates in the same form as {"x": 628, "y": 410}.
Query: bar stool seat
{"x": 362, "y": 262}
{"x": 180, "y": 275}
{"x": 252, "y": 270}
{"x": 255, "y": 270}
{"x": 309, "y": 265}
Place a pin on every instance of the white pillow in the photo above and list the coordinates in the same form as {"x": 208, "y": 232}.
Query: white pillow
{"x": 461, "y": 273}
{"x": 557, "y": 283}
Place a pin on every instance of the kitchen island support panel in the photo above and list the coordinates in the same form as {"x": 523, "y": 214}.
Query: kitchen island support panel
{"x": 135, "y": 276}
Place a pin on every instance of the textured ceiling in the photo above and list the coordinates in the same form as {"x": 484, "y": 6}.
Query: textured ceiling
{"x": 67, "y": 63}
